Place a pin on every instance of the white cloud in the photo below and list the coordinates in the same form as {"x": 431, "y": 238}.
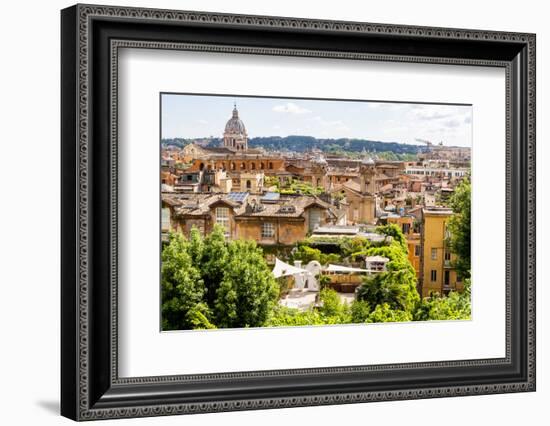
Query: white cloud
{"x": 451, "y": 123}
{"x": 291, "y": 108}
{"x": 429, "y": 113}
{"x": 203, "y": 122}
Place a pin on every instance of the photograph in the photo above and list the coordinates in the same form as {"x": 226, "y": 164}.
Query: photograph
{"x": 266, "y": 209}
{"x": 279, "y": 212}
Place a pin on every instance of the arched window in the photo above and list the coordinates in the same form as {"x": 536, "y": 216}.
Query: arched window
{"x": 243, "y": 165}
{"x": 201, "y": 166}
{"x": 248, "y": 184}
{"x": 232, "y": 166}
{"x": 262, "y": 166}
{"x": 253, "y": 166}
{"x": 270, "y": 165}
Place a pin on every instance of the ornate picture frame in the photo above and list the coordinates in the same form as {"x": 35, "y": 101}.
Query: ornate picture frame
{"x": 90, "y": 39}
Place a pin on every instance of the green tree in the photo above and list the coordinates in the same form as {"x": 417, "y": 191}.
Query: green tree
{"x": 394, "y": 231}
{"x": 198, "y": 317}
{"x": 212, "y": 264}
{"x": 282, "y": 316}
{"x": 360, "y": 311}
{"x": 196, "y": 246}
{"x": 248, "y": 292}
{"x": 306, "y": 254}
{"x": 395, "y": 287}
{"x": 181, "y": 286}
{"x": 349, "y": 247}
{"x": 384, "y": 313}
{"x": 460, "y": 227}
{"x": 451, "y": 307}
{"x": 324, "y": 281}
{"x": 332, "y": 309}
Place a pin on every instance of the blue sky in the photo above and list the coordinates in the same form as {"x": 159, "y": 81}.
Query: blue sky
{"x": 195, "y": 116}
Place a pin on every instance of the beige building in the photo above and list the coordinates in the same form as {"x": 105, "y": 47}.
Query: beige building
{"x": 409, "y": 225}
{"x": 269, "y": 219}
{"x": 360, "y": 196}
{"x": 251, "y": 182}
{"x": 438, "y": 274}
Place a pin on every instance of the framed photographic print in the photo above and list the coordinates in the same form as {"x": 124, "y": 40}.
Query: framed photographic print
{"x": 263, "y": 212}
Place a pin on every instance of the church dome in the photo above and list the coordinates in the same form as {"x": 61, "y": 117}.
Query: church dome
{"x": 320, "y": 160}
{"x": 235, "y": 125}
{"x": 367, "y": 161}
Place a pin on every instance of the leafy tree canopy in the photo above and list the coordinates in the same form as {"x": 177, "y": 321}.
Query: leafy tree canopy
{"x": 385, "y": 313}
{"x": 460, "y": 227}
{"x": 209, "y": 282}
{"x": 397, "y": 286}
{"x": 181, "y": 286}
{"x": 248, "y": 292}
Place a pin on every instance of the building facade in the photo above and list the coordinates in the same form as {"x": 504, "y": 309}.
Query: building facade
{"x": 269, "y": 219}
{"x": 438, "y": 274}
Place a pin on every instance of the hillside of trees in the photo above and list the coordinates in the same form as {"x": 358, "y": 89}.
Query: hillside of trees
{"x": 306, "y": 143}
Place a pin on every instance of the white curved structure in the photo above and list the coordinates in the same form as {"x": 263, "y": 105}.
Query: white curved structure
{"x": 314, "y": 269}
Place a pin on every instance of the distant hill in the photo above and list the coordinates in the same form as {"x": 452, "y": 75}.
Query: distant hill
{"x": 307, "y": 143}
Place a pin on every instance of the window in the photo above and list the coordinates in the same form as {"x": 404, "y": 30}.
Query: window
{"x": 222, "y": 218}
{"x": 165, "y": 219}
{"x": 447, "y": 278}
{"x": 248, "y": 184}
{"x": 434, "y": 254}
{"x": 314, "y": 219}
{"x": 406, "y": 227}
{"x": 447, "y": 255}
{"x": 434, "y": 275}
{"x": 268, "y": 230}
{"x": 417, "y": 250}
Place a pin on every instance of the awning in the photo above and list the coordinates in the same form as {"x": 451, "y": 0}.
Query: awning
{"x": 380, "y": 259}
{"x": 283, "y": 269}
{"x": 340, "y": 268}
